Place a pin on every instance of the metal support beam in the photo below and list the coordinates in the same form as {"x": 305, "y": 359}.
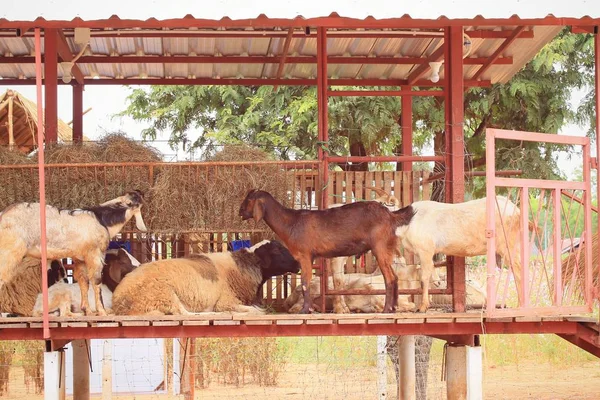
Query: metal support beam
{"x": 418, "y": 72}
{"x": 41, "y": 133}
{"x": 323, "y": 126}
{"x": 284, "y": 53}
{"x": 496, "y": 55}
{"x": 64, "y": 52}
{"x": 78, "y": 113}
{"x": 281, "y": 59}
{"x": 276, "y": 329}
{"x": 406, "y": 121}
{"x": 597, "y": 88}
{"x": 50, "y": 84}
{"x": 249, "y": 82}
{"x": 455, "y": 170}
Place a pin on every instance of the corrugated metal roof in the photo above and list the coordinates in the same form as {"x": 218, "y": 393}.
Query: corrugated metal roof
{"x": 28, "y": 10}
{"x": 394, "y": 44}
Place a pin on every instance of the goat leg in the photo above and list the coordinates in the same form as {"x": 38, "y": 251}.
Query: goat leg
{"x": 306, "y": 277}
{"x": 80, "y": 275}
{"x": 426, "y": 271}
{"x": 384, "y": 260}
{"x": 94, "y": 265}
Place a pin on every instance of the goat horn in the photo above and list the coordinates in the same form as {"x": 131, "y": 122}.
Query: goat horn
{"x": 380, "y": 192}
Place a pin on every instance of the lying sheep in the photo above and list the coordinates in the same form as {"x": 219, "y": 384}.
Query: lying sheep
{"x": 82, "y": 235}
{"x": 17, "y": 296}
{"x": 65, "y": 299}
{"x": 226, "y": 281}
{"x": 408, "y": 278}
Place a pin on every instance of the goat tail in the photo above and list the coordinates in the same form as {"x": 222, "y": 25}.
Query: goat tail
{"x": 404, "y": 215}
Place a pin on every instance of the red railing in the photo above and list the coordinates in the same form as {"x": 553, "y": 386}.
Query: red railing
{"x": 551, "y": 281}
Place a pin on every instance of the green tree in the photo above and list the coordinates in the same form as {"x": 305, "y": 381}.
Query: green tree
{"x": 284, "y": 121}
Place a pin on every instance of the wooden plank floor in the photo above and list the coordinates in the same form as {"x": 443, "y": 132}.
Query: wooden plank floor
{"x": 205, "y": 319}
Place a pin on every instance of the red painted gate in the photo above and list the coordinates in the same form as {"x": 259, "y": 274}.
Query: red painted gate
{"x": 548, "y": 245}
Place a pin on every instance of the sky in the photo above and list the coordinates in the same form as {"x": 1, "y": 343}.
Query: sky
{"x": 106, "y": 101}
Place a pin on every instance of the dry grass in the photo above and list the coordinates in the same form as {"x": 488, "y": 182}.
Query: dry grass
{"x": 179, "y": 198}
{"x": 199, "y": 197}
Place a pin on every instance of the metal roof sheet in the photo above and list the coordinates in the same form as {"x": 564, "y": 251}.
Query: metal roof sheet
{"x": 118, "y": 44}
{"x": 28, "y": 10}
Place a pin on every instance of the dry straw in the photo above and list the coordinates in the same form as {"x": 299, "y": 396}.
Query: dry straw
{"x": 200, "y": 197}
{"x": 575, "y": 264}
{"x": 179, "y": 197}
{"x": 75, "y": 187}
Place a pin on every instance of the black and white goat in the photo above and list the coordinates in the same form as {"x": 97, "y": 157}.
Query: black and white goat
{"x": 82, "y": 235}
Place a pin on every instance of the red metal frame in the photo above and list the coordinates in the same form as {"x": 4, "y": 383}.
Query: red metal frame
{"x": 77, "y": 112}
{"x": 455, "y": 142}
{"x": 281, "y": 59}
{"x": 453, "y": 52}
{"x": 50, "y": 85}
{"x": 249, "y": 82}
{"x": 333, "y": 21}
{"x": 597, "y": 88}
{"x": 323, "y": 106}
{"x": 524, "y": 185}
{"x": 42, "y": 175}
{"x": 406, "y": 121}
{"x": 243, "y": 330}
{"x": 270, "y": 34}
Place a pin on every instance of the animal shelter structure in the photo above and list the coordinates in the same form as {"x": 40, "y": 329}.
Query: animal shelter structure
{"x": 330, "y": 52}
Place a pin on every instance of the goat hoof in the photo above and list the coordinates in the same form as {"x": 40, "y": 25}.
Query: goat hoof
{"x": 341, "y": 310}
{"x": 306, "y": 310}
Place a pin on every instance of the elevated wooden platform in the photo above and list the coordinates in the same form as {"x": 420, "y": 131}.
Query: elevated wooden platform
{"x": 444, "y": 325}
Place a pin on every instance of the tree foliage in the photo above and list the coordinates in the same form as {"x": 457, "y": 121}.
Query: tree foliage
{"x": 284, "y": 121}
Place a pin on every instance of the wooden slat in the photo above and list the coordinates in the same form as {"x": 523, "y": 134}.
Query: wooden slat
{"x": 135, "y": 323}
{"x": 426, "y": 195}
{"x": 388, "y": 177}
{"x": 398, "y": 186}
{"x": 406, "y": 189}
{"x": 319, "y": 322}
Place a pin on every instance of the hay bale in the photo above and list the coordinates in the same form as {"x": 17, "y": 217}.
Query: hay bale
{"x": 16, "y": 184}
{"x": 208, "y": 196}
{"x": 80, "y": 186}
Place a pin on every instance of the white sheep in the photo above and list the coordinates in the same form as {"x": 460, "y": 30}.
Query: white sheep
{"x": 82, "y": 235}
{"x": 408, "y": 278}
{"x": 459, "y": 230}
{"x": 65, "y": 298}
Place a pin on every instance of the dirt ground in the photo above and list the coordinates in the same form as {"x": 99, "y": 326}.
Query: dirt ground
{"x": 526, "y": 381}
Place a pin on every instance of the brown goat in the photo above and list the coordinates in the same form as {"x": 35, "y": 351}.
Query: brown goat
{"x": 335, "y": 232}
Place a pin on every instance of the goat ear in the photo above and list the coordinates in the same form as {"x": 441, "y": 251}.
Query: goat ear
{"x": 258, "y": 211}
{"x": 114, "y": 271}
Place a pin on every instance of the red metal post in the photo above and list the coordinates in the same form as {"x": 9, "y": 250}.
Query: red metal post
{"x": 490, "y": 170}
{"x": 587, "y": 215}
{"x": 597, "y": 87}
{"x": 455, "y": 184}
{"x": 40, "y": 138}
{"x": 51, "y": 84}
{"x": 322, "y": 104}
{"x": 77, "y": 112}
{"x": 558, "y": 283}
{"x": 407, "y": 131}
{"x": 524, "y": 289}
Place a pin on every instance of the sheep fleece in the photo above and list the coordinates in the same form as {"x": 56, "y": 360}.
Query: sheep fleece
{"x": 211, "y": 282}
